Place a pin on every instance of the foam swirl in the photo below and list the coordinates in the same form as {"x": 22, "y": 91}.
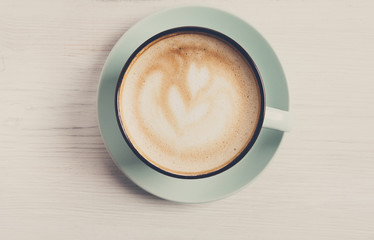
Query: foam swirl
{"x": 189, "y": 103}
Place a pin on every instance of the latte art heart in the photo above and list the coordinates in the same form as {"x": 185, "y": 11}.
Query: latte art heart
{"x": 188, "y": 112}
{"x": 189, "y": 103}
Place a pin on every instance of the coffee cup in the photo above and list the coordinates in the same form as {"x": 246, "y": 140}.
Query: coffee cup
{"x": 190, "y": 103}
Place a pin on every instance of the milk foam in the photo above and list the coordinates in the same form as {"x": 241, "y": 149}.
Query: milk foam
{"x": 189, "y": 103}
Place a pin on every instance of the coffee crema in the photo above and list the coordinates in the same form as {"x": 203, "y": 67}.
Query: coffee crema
{"x": 189, "y": 103}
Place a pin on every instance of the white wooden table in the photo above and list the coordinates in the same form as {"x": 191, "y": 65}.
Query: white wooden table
{"x": 57, "y": 180}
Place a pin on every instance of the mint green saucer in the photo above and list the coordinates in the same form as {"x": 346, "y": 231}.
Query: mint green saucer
{"x": 233, "y": 179}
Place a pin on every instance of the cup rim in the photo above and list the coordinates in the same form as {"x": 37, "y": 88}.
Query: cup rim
{"x": 259, "y": 80}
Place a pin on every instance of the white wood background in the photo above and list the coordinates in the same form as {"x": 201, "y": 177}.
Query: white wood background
{"x": 57, "y": 180}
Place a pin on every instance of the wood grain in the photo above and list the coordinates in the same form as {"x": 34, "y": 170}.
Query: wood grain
{"x": 57, "y": 180}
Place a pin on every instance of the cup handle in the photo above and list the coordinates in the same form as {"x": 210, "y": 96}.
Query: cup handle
{"x": 277, "y": 119}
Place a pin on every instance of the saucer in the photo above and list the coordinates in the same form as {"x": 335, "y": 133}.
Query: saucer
{"x": 203, "y": 189}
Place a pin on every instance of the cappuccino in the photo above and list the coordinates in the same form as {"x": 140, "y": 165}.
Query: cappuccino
{"x": 189, "y": 103}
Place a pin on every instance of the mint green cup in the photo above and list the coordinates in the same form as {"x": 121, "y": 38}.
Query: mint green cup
{"x": 275, "y": 116}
